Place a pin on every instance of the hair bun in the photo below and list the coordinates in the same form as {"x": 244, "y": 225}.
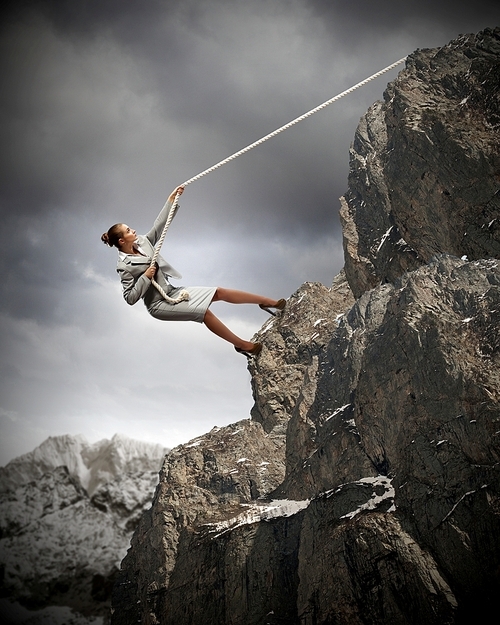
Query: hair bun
{"x": 113, "y": 235}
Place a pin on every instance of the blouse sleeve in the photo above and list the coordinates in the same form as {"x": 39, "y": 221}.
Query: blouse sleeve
{"x": 154, "y": 234}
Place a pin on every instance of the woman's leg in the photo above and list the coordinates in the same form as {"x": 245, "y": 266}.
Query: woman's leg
{"x": 240, "y": 297}
{"x": 217, "y": 327}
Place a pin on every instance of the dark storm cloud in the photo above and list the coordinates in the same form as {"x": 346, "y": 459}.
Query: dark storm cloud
{"x": 218, "y": 71}
{"x": 200, "y": 89}
{"x": 105, "y": 107}
{"x": 372, "y": 20}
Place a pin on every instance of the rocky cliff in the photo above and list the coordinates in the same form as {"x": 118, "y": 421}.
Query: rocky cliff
{"x": 67, "y": 512}
{"x": 365, "y": 488}
{"x": 424, "y": 167}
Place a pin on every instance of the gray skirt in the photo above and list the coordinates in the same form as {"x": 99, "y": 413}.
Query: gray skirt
{"x": 200, "y": 298}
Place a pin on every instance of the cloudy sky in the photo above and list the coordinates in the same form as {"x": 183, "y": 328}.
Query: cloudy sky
{"x": 106, "y": 106}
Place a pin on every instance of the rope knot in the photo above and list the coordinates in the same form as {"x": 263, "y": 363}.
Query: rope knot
{"x": 183, "y": 296}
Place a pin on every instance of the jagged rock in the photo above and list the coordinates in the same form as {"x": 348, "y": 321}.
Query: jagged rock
{"x": 59, "y": 546}
{"x": 210, "y": 477}
{"x": 415, "y": 396}
{"x": 56, "y": 451}
{"x": 367, "y": 571}
{"x": 52, "y": 492}
{"x": 107, "y": 460}
{"x": 424, "y": 165}
{"x": 284, "y": 376}
{"x": 292, "y": 344}
{"x": 66, "y": 556}
{"x": 435, "y": 336}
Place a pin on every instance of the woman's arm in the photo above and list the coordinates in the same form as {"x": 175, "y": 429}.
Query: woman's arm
{"x": 154, "y": 234}
{"x": 134, "y": 290}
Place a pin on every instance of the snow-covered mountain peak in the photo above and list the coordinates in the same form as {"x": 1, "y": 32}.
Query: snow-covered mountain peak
{"x": 71, "y": 506}
{"x": 93, "y": 464}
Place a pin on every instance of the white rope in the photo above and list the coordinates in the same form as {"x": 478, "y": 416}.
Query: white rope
{"x": 294, "y": 121}
{"x": 183, "y": 295}
{"x": 247, "y": 149}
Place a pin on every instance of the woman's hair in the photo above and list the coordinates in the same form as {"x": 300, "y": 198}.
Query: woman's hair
{"x": 112, "y": 235}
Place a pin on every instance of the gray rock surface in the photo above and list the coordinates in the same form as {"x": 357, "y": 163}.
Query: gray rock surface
{"x": 424, "y": 165}
{"x": 374, "y": 519}
{"x": 379, "y": 417}
{"x": 61, "y": 544}
{"x": 210, "y": 478}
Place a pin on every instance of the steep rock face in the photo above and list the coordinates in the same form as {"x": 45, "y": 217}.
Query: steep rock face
{"x": 425, "y": 165}
{"x": 285, "y": 373}
{"x": 384, "y": 503}
{"x": 421, "y": 352}
{"x": 59, "y": 544}
{"x": 375, "y": 519}
{"x": 415, "y": 397}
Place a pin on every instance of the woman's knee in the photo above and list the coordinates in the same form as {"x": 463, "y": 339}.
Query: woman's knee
{"x": 218, "y": 295}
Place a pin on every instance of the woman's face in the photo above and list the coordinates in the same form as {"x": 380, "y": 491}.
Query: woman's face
{"x": 128, "y": 235}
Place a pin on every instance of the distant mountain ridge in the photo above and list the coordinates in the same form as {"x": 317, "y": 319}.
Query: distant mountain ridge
{"x": 93, "y": 464}
{"x": 67, "y": 512}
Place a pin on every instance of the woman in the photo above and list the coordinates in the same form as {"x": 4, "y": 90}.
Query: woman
{"x": 134, "y": 260}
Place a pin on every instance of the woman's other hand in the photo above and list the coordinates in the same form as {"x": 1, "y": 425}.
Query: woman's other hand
{"x": 151, "y": 271}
